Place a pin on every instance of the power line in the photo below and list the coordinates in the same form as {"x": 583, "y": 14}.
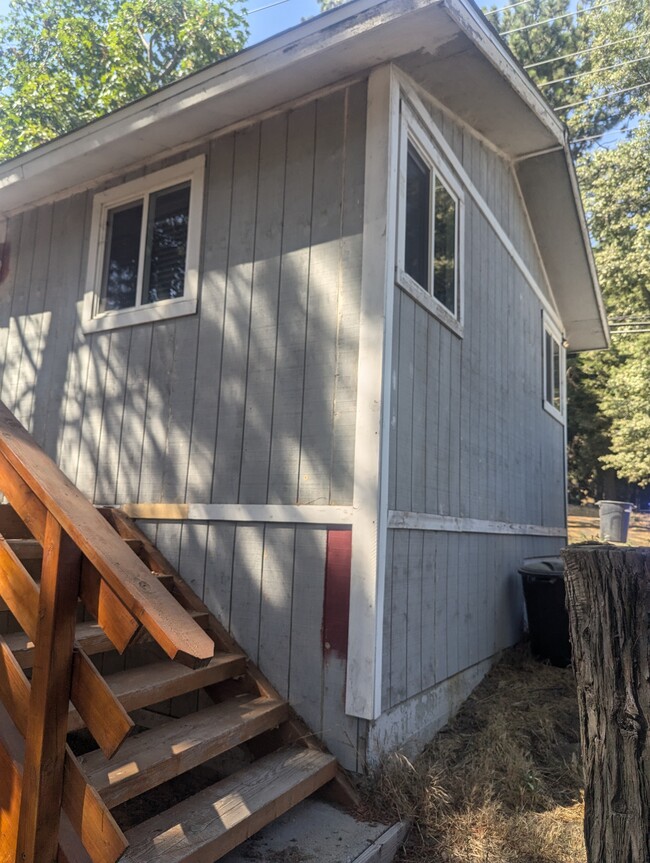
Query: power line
{"x": 512, "y": 6}
{"x": 594, "y": 71}
{"x": 604, "y": 96}
{"x": 270, "y": 6}
{"x": 586, "y": 138}
{"x": 583, "y": 51}
{"x": 558, "y": 18}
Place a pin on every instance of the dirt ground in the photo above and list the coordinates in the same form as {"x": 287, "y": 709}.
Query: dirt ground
{"x": 584, "y": 524}
{"x": 503, "y": 782}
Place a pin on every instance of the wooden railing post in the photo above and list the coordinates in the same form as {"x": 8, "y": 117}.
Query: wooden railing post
{"x": 50, "y": 694}
{"x": 608, "y": 599}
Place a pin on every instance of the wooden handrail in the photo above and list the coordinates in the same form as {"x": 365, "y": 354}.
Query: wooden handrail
{"x": 83, "y": 557}
{"x": 48, "y": 490}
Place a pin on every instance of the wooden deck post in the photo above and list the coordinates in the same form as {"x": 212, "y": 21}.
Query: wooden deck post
{"x": 50, "y": 694}
{"x": 608, "y": 599}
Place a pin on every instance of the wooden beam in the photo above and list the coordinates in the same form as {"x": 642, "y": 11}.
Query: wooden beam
{"x": 87, "y": 814}
{"x": 22, "y": 499}
{"x": 47, "y": 726}
{"x": 105, "y": 717}
{"x": 108, "y": 610}
{"x": 174, "y": 630}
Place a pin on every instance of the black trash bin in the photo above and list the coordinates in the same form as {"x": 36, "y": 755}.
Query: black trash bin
{"x": 548, "y": 621}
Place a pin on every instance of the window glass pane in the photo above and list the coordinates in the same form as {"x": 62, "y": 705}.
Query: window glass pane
{"x": 556, "y": 375}
{"x": 164, "y": 277}
{"x": 121, "y": 262}
{"x": 444, "y": 249}
{"x": 416, "y": 246}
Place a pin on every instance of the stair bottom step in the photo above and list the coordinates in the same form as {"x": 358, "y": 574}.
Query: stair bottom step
{"x": 208, "y": 825}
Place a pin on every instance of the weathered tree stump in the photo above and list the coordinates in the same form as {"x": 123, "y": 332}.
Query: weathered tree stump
{"x": 608, "y": 599}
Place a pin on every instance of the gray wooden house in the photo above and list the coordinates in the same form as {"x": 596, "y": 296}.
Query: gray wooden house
{"x": 304, "y": 314}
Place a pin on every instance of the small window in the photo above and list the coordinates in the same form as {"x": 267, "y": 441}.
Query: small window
{"x": 553, "y": 371}
{"x": 430, "y": 220}
{"x": 143, "y": 262}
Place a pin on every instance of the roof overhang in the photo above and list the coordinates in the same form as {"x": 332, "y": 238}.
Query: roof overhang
{"x": 439, "y": 37}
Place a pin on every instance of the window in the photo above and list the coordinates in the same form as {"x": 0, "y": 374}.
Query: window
{"x": 144, "y": 254}
{"x": 430, "y": 225}
{"x": 553, "y": 370}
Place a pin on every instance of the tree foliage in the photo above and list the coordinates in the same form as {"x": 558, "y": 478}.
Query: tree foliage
{"x": 66, "y": 62}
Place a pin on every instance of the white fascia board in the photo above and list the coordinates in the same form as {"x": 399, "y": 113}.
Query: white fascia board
{"x": 552, "y": 196}
{"x": 476, "y": 26}
{"x": 354, "y": 37}
{"x": 345, "y": 41}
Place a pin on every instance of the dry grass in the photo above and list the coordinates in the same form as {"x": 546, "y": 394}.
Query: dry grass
{"x": 584, "y": 524}
{"x": 502, "y": 783}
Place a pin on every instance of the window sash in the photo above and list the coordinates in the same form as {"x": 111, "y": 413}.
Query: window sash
{"x": 148, "y": 189}
{"x": 415, "y": 141}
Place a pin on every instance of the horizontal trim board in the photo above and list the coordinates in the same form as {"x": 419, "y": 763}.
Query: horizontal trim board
{"x": 279, "y": 513}
{"x": 400, "y": 520}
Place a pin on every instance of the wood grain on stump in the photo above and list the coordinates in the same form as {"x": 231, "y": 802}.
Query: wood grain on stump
{"x": 608, "y": 600}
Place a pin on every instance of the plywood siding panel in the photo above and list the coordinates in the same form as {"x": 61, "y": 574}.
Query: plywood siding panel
{"x": 246, "y": 595}
{"x": 306, "y": 668}
{"x": 322, "y": 304}
{"x": 211, "y": 324}
{"x": 66, "y": 265}
{"x": 345, "y": 391}
{"x": 19, "y": 298}
{"x": 292, "y": 311}
{"x": 477, "y": 603}
{"x": 276, "y": 612}
{"x": 405, "y": 402}
{"x": 12, "y": 250}
{"x": 236, "y": 333}
{"x": 258, "y": 414}
{"x": 113, "y": 413}
{"x": 157, "y": 412}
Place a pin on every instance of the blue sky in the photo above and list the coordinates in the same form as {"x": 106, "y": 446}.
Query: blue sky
{"x": 263, "y": 23}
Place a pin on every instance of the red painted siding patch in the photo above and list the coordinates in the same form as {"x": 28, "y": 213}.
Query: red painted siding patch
{"x": 336, "y": 611}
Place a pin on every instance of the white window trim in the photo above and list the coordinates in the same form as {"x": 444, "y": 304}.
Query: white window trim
{"x": 415, "y": 131}
{"x": 94, "y": 321}
{"x": 549, "y": 327}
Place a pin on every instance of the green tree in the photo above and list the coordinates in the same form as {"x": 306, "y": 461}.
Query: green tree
{"x": 66, "y": 62}
{"x": 604, "y": 78}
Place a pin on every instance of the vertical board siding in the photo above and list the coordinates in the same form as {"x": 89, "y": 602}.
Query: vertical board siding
{"x": 251, "y": 400}
{"x": 266, "y": 583}
{"x": 454, "y": 600}
{"x": 468, "y": 438}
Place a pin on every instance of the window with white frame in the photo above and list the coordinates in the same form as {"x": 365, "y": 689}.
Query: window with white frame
{"x": 145, "y": 246}
{"x": 431, "y": 211}
{"x": 553, "y": 369}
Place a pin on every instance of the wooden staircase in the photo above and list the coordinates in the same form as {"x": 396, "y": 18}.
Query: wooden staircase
{"x": 168, "y": 745}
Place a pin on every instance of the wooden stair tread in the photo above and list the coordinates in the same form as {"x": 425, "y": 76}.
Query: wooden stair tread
{"x": 208, "y": 825}
{"x": 155, "y": 756}
{"x": 158, "y": 681}
{"x": 88, "y": 635}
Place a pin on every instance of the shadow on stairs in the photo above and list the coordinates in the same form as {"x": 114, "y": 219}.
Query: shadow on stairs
{"x": 215, "y": 753}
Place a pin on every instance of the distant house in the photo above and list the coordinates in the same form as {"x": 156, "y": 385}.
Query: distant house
{"x": 305, "y": 314}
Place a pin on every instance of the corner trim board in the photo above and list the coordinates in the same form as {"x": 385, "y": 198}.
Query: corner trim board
{"x": 370, "y": 497}
{"x": 401, "y": 520}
